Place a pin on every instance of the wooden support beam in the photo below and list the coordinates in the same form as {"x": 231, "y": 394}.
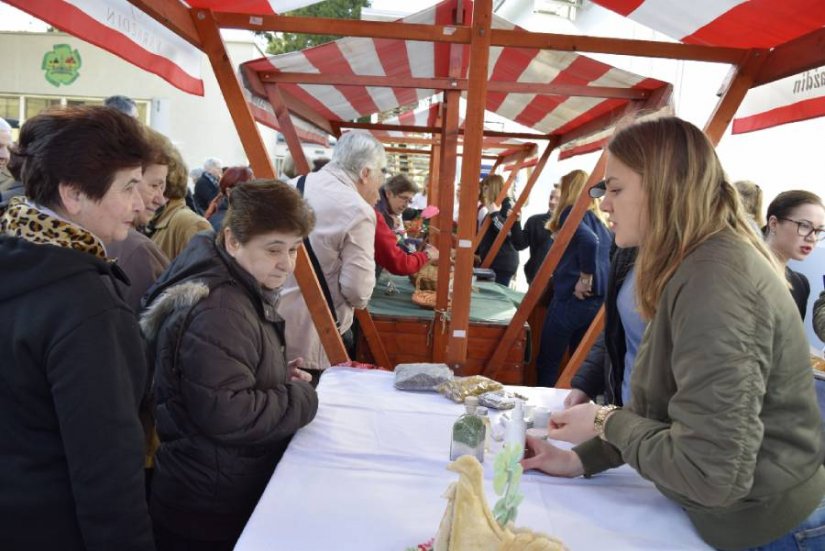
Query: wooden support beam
{"x": 435, "y": 83}
{"x": 485, "y": 224}
{"x": 293, "y": 142}
{"x": 444, "y": 222}
{"x": 802, "y": 54}
{"x": 433, "y": 178}
{"x": 455, "y": 34}
{"x": 513, "y": 214}
{"x": 407, "y": 151}
{"x": 172, "y": 15}
{"x": 514, "y": 135}
{"x": 305, "y": 275}
{"x": 388, "y": 127}
{"x": 739, "y": 82}
{"x": 470, "y": 170}
{"x": 656, "y": 101}
{"x": 545, "y": 271}
{"x": 617, "y": 46}
{"x": 296, "y": 106}
{"x": 373, "y": 338}
{"x": 228, "y": 82}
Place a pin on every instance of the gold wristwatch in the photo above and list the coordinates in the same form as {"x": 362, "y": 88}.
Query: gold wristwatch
{"x": 601, "y": 417}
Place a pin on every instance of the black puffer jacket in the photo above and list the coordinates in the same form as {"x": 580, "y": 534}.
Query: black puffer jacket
{"x": 72, "y": 374}
{"x": 225, "y": 407}
{"x": 603, "y": 370}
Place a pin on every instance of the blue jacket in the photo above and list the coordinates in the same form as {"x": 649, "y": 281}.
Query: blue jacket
{"x": 588, "y": 252}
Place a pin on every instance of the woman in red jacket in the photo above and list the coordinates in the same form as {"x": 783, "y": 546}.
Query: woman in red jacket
{"x": 395, "y": 195}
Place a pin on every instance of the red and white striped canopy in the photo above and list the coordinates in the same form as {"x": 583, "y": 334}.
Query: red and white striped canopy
{"x": 399, "y": 58}
{"x": 124, "y": 30}
{"x": 744, "y": 24}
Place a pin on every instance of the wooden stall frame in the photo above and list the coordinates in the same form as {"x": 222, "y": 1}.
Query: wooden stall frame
{"x": 200, "y": 28}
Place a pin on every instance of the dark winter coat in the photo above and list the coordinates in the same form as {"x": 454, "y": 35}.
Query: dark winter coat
{"x": 539, "y": 239}
{"x": 506, "y": 261}
{"x": 73, "y": 373}
{"x": 603, "y": 370}
{"x": 225, "y": 407}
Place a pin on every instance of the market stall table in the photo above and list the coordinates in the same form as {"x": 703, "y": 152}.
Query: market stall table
{"x": 407, "y": 330}
{"x": 370, "y": 471}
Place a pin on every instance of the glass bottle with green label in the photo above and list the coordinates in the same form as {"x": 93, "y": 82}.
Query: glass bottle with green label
{"x": 469, "y": 432}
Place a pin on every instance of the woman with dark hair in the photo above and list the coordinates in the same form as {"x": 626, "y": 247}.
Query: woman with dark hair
{"x": 390, "y": 252}
{"x": 232, "y": 176}
{"x": 722, "y": 417}
{"x": 226, "y": 400}
{"x": 796, "y": 222}
{"x": 71, "y": 455}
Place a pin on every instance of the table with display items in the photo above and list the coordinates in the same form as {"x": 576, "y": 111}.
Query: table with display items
{"x": 369, "y": 473}
{"x": 407, "y": 330}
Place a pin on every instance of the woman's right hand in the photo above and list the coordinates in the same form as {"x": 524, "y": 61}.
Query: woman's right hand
{"x": 432, "y": 252}
{"x": 575, "y": 397}
{"x": 545, "y": 457}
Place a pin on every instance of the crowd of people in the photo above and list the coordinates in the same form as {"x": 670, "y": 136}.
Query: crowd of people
{"x": 160, "y": 354}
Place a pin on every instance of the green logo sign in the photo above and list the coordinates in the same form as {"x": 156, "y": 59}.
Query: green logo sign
{"x": 61, "y": 65}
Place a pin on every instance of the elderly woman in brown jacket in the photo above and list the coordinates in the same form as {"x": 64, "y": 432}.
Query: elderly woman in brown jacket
{"x": 175, "y": 224}
{"x": 226, "y": 399}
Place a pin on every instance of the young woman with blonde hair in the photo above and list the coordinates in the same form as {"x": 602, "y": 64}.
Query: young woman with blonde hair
{"x": 723, "y": 417}
{"x": 579, "y": 282}
{"x": 751, "y": 196}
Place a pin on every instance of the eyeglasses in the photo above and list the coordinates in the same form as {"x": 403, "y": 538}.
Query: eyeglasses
{"x": 406, "y": 198}
{"x": 805, "y": 229}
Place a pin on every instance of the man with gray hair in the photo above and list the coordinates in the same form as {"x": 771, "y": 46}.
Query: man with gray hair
{"x": 342, "y": 194}
{"x": 6, "y": 179}
{"x": 206, "y": 188}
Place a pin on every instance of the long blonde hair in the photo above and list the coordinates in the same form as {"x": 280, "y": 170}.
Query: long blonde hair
{"x": 688, "y": 200}
{"x": 570, "y": 187}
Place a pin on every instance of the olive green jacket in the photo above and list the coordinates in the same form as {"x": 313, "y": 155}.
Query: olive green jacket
{"x": 723, "y": 417}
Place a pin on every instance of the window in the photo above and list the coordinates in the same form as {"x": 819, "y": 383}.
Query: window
{"x": 10, "y": 107}
{"x": 35, "y": 105}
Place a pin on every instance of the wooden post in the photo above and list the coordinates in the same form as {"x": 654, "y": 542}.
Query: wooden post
{"x": 446, "y": 198}
{"x": 657, "y": 100}
{"x": 379, "y": 353}
{"x": 470, "y": 170}
{"x": 740, "y": 81}
{"x": 213, "y": 46}
{"x": 513, "y": 214}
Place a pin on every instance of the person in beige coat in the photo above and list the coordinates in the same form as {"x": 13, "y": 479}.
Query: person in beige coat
{"x": 342, "y": 194}
{"x": 175, "y": 224}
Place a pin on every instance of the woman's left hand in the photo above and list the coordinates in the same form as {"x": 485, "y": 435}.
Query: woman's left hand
{"x": 296, "y": 373}
{"x": 574, "y": 425}
{"x": 583, "y": 291}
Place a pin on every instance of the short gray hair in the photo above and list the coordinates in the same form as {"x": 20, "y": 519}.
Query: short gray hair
{"x": 123, "y": 104}
{"x": 4, "y": 126}
{"x": 356, "y": 150}
{"x": 212, "y": 162}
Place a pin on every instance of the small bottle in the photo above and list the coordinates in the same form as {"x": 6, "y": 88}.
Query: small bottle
{"x": 484, "y": 413}
{"x": 468, "y": 433}
{"x": 517, "y": 429}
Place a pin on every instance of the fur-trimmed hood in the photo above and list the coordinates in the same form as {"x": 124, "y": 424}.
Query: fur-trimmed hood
{"x": 202, "y": 267}
{"x": 178, "y": 297}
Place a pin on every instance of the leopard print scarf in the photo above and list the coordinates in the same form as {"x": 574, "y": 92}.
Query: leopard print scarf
{"x": 26, "y": 220}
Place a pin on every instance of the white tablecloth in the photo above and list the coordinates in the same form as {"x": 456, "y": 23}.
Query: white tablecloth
{"x": 369, "y": 474}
